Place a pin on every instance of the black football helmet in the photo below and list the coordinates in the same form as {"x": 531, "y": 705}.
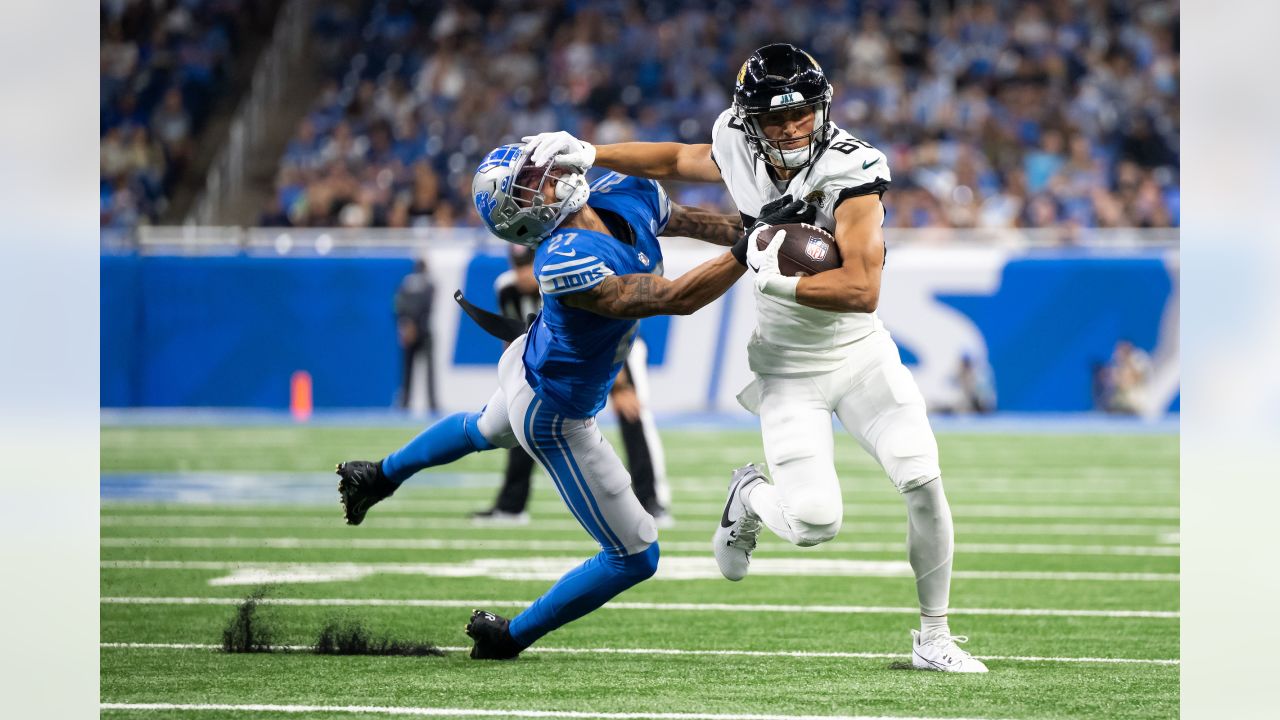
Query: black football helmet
{"x": 781, "y": 76}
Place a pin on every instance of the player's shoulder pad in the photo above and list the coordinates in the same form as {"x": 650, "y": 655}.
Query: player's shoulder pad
{"x": 727, "y": 121}
{"x": 851, "y": 167}
{"x": 648, "y": 193}
{"x": 571, "y": 261}
{"x": 727, "y": 134}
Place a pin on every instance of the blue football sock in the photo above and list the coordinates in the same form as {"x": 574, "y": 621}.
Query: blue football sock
{"x": 442, "y": 443}
{"x": 581, "y": 590}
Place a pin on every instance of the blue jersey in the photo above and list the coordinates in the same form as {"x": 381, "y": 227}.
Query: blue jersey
{"x": 571, "y": 355}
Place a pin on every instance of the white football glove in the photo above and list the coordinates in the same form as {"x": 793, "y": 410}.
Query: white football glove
{"x": 567, "y": 150}
{"x": 769, "y": 279}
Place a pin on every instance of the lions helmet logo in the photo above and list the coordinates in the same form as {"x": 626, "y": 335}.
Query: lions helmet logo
{"x": 817, "y": 248}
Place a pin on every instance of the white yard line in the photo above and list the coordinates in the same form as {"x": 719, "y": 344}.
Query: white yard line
{"x": 295, "y": 543}
{"x": 455, "y": 507}
{"x": 461, "y": 712}
{"x": 543, "y": 524}
{"x": 694, "y": 607}
{"x": 846, "y": 568}
{"x": 728, "y": 653}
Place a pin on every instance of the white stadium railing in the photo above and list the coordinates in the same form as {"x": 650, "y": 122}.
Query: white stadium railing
{"x": 228, "y": 174}
{"x": 221, "y": 240}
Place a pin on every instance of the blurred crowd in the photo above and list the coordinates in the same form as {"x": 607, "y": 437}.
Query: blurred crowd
{"x": 994, "y": 113}
{"x": 162, "y": 65}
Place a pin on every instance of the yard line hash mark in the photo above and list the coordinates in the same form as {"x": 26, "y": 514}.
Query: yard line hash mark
{"x": 295, "y": 543}
{"x": 722, "y": 653}
{"x": 691, "y": 607}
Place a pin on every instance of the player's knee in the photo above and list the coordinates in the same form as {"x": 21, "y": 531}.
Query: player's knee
{"x": 472, "y": 427}
{"x": 642, "y": 565}
{"x": 926, "y": 501}
{"x": 913, "y": 473}
{"x": 815, "y": 522}
{"x": 911, "y": 459}
{"x": 809, "y": 534}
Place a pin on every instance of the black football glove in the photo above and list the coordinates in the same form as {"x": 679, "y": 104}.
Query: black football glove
{"x": 782, "y": 211}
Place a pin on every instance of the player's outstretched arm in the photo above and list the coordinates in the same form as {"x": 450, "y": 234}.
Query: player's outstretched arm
{"x": 660, "y": 161}
{"x": 643, "y": 295}
{"x": 713, "y": 227}
{"x": 855, "y": 286}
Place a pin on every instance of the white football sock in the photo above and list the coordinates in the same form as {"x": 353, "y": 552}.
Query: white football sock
{"x": 930, "y": 545}
{"x": 930, "y": 624}
{"x": 763, "y": 500}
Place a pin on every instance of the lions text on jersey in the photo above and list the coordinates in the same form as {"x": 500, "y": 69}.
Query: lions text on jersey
{"x": 572, "y": 355}
{"x": 789, "y": 337}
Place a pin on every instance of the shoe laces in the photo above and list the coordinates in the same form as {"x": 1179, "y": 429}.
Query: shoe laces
{"x": 744, "y": 537}
{"x": 949, "y": 644}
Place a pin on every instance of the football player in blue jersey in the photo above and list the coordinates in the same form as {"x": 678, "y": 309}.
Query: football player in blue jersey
{"x": 599, "y": 266}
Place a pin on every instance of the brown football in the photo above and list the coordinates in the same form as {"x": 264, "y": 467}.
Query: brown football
{"x": 806, "y": 250}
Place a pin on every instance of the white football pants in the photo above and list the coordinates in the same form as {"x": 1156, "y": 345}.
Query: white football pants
{"x": 878, "y": 403}
{"x": 583, "y": 465}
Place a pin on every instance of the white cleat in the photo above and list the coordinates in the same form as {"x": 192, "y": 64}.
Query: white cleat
{"x": 499, "y": 518}
{"x": 664, "y": 520}
{"x": 941, "y": 651}
{"x": 736, "y": 537}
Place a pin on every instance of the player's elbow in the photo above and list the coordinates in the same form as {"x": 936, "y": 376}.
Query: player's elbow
{"x": 856, "y": 302}
{"x": 866, "y": 302}
{"x": 861, "y": 300}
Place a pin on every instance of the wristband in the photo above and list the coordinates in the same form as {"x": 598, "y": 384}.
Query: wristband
{"x": 739, "y": 250}
{"x": 778, "y": 286}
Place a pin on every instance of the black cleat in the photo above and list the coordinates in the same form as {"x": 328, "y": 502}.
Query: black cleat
{"x": 493, "y": 640}
{"x": 362, "y": 486}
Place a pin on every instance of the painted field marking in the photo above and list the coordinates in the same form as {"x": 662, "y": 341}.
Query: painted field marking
{"x": 540, "y": 524}
{"x": 459, "y": 712}
{"x": 551, "y": 568}
{"x": 881, "y": 509}
{"x": 295, "y": 543}
{"x": 728, "y": 653}
{"x": 454, "y": 507}
{"x": 693, "y": 607}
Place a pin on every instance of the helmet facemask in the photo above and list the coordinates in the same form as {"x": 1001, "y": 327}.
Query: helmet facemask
{"x": 772, "y": 150}
{"x": 782, "y": 77}
{"x": 510, "y": 196}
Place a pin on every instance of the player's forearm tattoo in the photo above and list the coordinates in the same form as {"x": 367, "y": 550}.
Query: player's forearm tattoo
{"x": 637, "y": 296}
{"x": 712, "y": 227}
{"x": 643, "y": 295}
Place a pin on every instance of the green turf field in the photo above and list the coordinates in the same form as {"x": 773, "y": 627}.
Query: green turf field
{"x": 1066, "y": 582}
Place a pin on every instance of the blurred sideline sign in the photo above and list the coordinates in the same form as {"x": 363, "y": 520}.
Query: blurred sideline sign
{"x": 230, "y": 330}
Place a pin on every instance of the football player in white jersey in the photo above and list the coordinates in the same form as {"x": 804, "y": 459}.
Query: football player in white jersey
{"x": 818, "y": 346}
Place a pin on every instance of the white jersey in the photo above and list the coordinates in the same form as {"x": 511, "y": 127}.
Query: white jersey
{"x": 791, "y": 338}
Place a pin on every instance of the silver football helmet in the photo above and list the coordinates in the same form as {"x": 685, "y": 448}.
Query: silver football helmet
{"x": 508, "y": 193}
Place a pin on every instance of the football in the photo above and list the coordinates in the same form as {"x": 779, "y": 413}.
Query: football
{"x": 806, "y": 250}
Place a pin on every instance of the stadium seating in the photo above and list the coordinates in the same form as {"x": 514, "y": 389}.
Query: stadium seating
{"x": 992, "y": 114}
{"x": 163, "y": 66}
